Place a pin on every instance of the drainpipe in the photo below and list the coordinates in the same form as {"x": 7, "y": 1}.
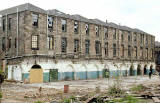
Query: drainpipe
{"x": 17, "y": 33}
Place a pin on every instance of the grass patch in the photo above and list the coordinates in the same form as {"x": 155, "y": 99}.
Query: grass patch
{"x": 138, "y": 88}
{"x": 0, "y": 95}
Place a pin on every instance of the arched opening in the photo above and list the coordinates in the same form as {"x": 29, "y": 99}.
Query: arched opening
{"x": 139, "y": 70}
{"x": 145, "y": 70}
{"x": 131, "y": 72}
{"x": 36, "y": 74}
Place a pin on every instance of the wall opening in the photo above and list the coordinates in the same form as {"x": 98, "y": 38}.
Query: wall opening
{"x": 139, "y": 70}
{"x": 145, "y": 70}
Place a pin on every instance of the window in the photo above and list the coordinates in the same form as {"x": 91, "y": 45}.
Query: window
{"x": 114, "y": 33}
{"x": 64, "y": 45}
{"x": 4, "y": 25}
{"x": 97, "y": 30}
{"x": 76, "y": 45}
{"x": 15, "y": 43}
{"x": 146, "y": 40}
{"x": 141, "y": 48}
{"x": 64, "y": 25}
{"x": 135, "y": 39}
{"x": 97, "y": 47}
{"x": 114, "y": 50}
{"x": 106, "y": 49}
{"x": 87, "y": 29}
{"x": 129, "y": 51}
{"x": 87, "y": 44}
{"x": 135, "y": 51}
{"x": 50, "y": 22}
{"x": 122, "y": 36}
{"x": 146, "y": 53}
{"x": 105, "y": 33}
{"x": 35, "y": 20}
{"x": 9, "y": 23}
{"x": 76, "y": 27}
{"x": 129, "y": 36}
{"x": 122, "y": 50}
{"x": 34, "y": 41}
{"x": 141, "y": 37}
{"x": 3, "y": 44}
{"x": 9, "y": 43}
{"x": 50, "y": 42}
{"x": 0, "y": 20}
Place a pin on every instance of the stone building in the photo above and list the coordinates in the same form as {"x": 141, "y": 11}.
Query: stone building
{"x": 49, "y": 45}
{"x": 157, "y": 55}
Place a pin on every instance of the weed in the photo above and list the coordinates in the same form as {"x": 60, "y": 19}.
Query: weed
{"x": 38, "y": 101}
{"x": 137, "y": 88}
{"x": 0, "y": 95}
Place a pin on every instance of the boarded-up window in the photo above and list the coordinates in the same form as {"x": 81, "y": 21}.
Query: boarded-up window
{"x": 50, "y": 42}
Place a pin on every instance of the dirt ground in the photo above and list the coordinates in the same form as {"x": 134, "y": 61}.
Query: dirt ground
{"x": 46, "y": 92}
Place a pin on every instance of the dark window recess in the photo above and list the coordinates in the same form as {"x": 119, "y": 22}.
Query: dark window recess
{"x": 105, "y": 33}
{"x": 4, "y": 24}
{"x": 114, "y": 50}
{"x": 114, "y": 33}
{"x": 34, "y": 42}
{"x": 129, "y": 51}
{"x": 3, "y": 44}
{"x": 35, "y": 20}
{"x": 122, "y": 36}
{"x": 97, "y": 47}
{"x": 50, "y": 42}
{"x": 9, "y": 42}
{"x": 76, "y": 45}
{"x": 64, "y": 45}
{"x": 50, "y": 22}
{"x": 135, "y": 52}
{"x": 122, "y": 50}
{"x": 129, "y": 37}
{"x": 146, "y": 40}
{"x": 97, "y": 31}
{"x": 87, "y": 44}
{"x": 87, "y": 29}
{"x": 141, "y": 48}
{"x": 9, "y": 23}
{"x": 15, "y": 43}
{"x": 106, "y": 49}
{"x": 64, "y": 25}
{"x": 76, "y": 27}
{"x": 146, "y": 53}
{"x": 135, "y": 38}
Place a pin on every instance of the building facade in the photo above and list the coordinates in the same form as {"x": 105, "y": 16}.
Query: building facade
{"x": 157, "y": 55}
{"x": 49, "y": 45}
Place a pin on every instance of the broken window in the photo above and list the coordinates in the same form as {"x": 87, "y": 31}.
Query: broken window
{"x": 129, "y": 51}
{"x": 34, "y": 41}
{"x": 64, "y": 45}
{"x": 106, "y": 33}
{"x": 97, "y": 31}
{"x": 3, "y": 44}
{"x": 114, "y": 50}
{"x": 35, "y": 20}
{"x": 64, "y": 25}
{"x": 4, "y": 24}
{"x": 106, "y": 49}
{"x": 87, "y": 44}
{"x": 76, "y": 27}
{"x": 87, "y": 29}
{"x": 76, "y": 45}
{"x": 114, "y": 33}
{"x": 50, "y": 42}
{"x": 97, "y": 47}
{"x": 9, "y": 23}
{"x": 50, "y": 22}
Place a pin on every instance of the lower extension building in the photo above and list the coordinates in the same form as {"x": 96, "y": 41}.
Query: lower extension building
{"x": 49, "y": 45}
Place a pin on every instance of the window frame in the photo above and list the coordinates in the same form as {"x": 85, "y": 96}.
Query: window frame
{"x": 50, "y": 43}
{"x": 64, "y": 25}
{"x": 76, "y": 27}
{"x": 87, "y": 29}
{"x": 87, "y": 46}
{"x": 36, "y": 42}
{"x": 64, "y": 48}
{"x": 52, "y": 22}
{"x": 35, "y": 20}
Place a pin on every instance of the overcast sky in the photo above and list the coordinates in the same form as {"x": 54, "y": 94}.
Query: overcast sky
{"x": 142, "y": 14}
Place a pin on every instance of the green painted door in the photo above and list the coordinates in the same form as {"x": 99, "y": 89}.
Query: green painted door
{"x": 53, "y": 75}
